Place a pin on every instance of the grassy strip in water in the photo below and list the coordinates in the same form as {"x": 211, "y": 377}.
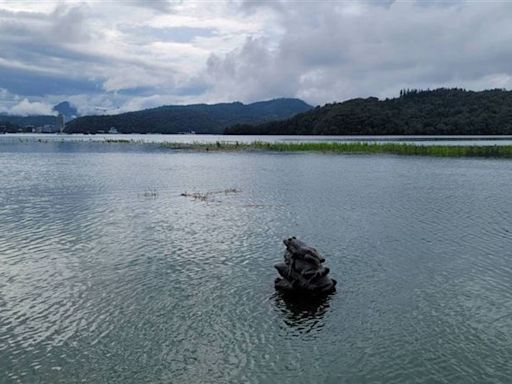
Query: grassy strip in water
{"x": 356, "y": 147}
{"x": 121, "y": 141}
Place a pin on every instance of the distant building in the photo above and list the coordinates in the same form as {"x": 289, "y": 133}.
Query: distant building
{"x": 47, "y": 128}
{"x": 60, "y": 124}
{"x": 113, "y": 130}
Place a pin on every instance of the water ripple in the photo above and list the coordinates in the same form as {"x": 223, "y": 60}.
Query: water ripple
{"x": 101, "y": 281}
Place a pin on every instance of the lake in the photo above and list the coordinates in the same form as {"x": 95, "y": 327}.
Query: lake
{"x": 109, "y": 275}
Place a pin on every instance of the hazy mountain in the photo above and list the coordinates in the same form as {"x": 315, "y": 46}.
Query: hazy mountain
{"x": 415, "y": 112}
{"x": 66, "y": 109}
{"x": 200, "y": 118}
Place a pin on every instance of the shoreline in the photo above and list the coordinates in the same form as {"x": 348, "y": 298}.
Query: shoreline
{"x": 356, "y": 147}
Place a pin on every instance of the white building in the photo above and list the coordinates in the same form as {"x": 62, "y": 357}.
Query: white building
{"x": 60, "y": 124}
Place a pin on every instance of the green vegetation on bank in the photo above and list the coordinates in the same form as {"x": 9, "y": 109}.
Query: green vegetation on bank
{"x": 504, "y": 151}
{"x": 414, "y": 112}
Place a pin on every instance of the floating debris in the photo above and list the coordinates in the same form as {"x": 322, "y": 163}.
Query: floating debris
{"x": 209, "y": 196}
{"x": 149, "y": 194}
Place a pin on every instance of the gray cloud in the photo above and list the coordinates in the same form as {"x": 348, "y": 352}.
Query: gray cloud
{"x": 251, "y": 6}
{"x": 250, "y": 73}
{"x": 157, "y": 5}
{"x": 29, "y": 84}
{"x": 333, "y": 51}
{"x": 110, "y": 56}
{"x": 57, "y": 53}
{"x": 65, "y": 24}
{"x": 69, "y": 24}
{"x": 147, "y": 34}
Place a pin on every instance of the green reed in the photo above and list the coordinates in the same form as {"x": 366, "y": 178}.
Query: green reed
{"x": 355, "y": 147}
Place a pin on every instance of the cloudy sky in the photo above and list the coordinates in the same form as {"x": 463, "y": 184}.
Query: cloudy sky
{"x": 113, "y": 56}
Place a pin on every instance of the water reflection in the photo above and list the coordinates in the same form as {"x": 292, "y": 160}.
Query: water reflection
{"x": 303, "y": 314}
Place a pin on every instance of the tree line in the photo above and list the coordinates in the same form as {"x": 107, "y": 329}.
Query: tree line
{"x": 443, "y": 111}
{"x": 200, "y": 118}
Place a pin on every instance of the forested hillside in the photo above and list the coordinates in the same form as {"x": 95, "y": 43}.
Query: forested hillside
{"x": 415, "y": 112}
{"x": 23, "y": 121}
{"x": 200, "y": 118}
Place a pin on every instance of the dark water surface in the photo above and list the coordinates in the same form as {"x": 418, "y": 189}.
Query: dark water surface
{"x": 108, "y": 275}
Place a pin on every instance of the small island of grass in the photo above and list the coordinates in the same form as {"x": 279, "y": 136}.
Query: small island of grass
{"x": 497, "y": 151}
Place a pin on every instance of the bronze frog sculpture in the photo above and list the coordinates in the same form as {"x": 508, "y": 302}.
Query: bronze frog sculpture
{"x": 302, "y": 270}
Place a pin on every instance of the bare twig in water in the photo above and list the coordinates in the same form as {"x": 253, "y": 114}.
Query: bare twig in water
{"x": 199, "y": 196}
{"x": 196, "y": 195}
{"x": 149, "y": 194}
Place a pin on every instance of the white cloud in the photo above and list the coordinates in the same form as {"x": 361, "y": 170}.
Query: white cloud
{"x": 26, "y": 108}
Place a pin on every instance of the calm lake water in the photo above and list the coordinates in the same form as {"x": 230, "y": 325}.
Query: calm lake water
{"x": 108, "y": 275}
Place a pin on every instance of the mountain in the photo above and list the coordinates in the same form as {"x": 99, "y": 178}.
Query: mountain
{"x": 416, "y": 112}
{"x": 200, "y": 118}
{"x": 67, "y": 110}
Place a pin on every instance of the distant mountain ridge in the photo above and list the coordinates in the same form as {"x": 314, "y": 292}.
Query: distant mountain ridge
{"x": 415, "y": 112}
{"x": 200, "y": 118}
{"x": 67, "y": 110}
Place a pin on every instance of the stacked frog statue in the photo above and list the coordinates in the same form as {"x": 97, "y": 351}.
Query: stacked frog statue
{"x": 302, "y": 270}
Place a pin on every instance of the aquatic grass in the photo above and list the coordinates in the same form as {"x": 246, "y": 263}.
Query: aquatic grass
{"x": 492, "y": 151}
{"x": 119, "y": 141}
{"x": 500, "y": 151}
{"x": 124, "y": 141}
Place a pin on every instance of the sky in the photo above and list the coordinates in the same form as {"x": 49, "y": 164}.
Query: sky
{"x": 115, "y": 56}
